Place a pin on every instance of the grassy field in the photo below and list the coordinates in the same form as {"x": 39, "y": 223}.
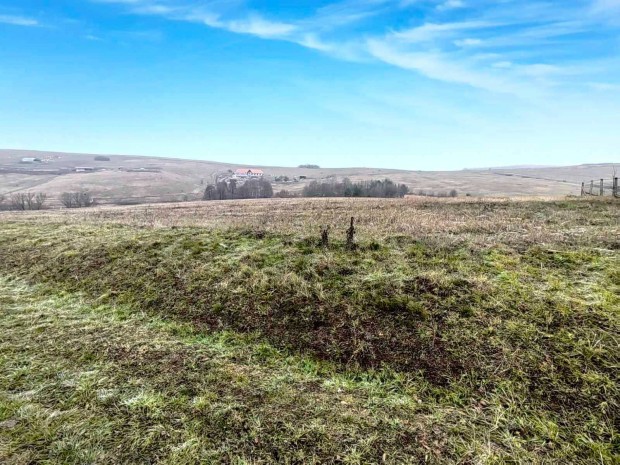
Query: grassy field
{"x": 224, "y": 332}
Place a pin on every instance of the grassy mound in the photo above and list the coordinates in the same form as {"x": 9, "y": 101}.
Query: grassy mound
{"x": 530, "y": 328}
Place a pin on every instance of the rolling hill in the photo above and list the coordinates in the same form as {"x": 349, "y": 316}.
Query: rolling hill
{"x": 137, "y": 179}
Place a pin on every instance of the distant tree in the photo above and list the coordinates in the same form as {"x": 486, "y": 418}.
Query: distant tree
{"x": 440, "y": 194}
{"x": 66, "y": 198}
{"x": 27, "y": 201}
{"x": 284, "y": 194}
{"x": 18, "y": 201}
{"x": 222, "y": 190}
{"x": 346, "y": 188}
{"x": 312, "y": 167}
{"x": 85, "y": 199}
{"x": 78, "y": 199}
{"x": 102, "y": 158}
{"x": 38, "y": 201}
{"x": 265, "y": 189}
{"x": 210, "y": 193}
{"x": 250, "y": 189}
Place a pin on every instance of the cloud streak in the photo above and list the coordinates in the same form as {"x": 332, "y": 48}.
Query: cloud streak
{"x": 526, "y": 45}
{"x": 18, "y": 21}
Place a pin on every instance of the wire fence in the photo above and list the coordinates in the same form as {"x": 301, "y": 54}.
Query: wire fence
{"x": 601, "y": 187}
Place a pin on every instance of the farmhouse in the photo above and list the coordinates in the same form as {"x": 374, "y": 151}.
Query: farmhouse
{"x": 30, "y": 160}
{"x": 246, "y": 173}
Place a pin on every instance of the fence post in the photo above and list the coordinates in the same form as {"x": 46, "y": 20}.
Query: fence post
{"x": 614, "y": 190}
{"x": 325, "y": 237}
{"x": 602, "y": 189}
{"x": 583, "y": 189}
{"x": 591, "y": 187}
{"x": 351, "y": 235}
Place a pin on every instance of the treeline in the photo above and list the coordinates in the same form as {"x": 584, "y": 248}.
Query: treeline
{"x": 385, "y": 188}
{"x": 23, "y": 201}
{"x": 450, "y": 193}
{"x": 251, "y": 189}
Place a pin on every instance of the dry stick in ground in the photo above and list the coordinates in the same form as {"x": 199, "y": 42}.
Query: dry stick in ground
{"x": 351, "y": 235}
{"x": 325, "y": 237}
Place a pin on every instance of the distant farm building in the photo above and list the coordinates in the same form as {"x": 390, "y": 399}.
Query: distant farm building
{"x": 30, "y": 160}
{"x": 245, "y": 173}
{"x": 84, "y": 169}
{"x": 144, "y": 170}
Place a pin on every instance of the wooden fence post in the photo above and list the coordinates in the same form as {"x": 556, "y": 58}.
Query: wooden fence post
{"x": 591, "y": 187}
{"x": 614, "y": 189}
{"x": 583, "y": 189}
{"x": 325, "y": 237}
{"x": 351, "y": 235}
{"x": 602, "y": 189}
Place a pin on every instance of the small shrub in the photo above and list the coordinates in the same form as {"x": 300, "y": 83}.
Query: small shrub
{"x": 284, "y": 194}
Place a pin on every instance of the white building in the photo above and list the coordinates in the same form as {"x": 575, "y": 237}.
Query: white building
{"x": 246, "y": 173}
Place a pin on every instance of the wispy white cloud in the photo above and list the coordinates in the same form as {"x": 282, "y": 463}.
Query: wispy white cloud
{"x": 524, "y": 43}
{"x": 347, "y": 12}
{"x": 606, "y": 5}
{"x": 211, "y": 14}
{"x": 467, "y": 42}
{"x": 502, "y": 64}
{"x": 433, "y": 31}
{"x": 349, "y": 51}
{"x": 151, "y": 9}
{"x": 440, "y": 66}
{"x": 450, "y": 5}
{"x": 18, "y": 21}
{"x": 258, "y": 26}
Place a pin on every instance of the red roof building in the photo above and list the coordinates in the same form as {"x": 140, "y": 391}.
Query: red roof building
{"x": 248, "y": 173}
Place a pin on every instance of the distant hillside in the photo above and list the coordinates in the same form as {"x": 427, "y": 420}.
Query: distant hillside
{"x": 135, "y": 179}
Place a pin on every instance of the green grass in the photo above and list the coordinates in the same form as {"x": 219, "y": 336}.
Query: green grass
{"x": 130, "y": 345}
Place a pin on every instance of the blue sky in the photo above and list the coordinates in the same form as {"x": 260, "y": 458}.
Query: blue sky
{"x": 417, "y": 84}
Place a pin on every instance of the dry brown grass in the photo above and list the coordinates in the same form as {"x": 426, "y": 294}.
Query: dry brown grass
{"x": 544, "y": 220}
